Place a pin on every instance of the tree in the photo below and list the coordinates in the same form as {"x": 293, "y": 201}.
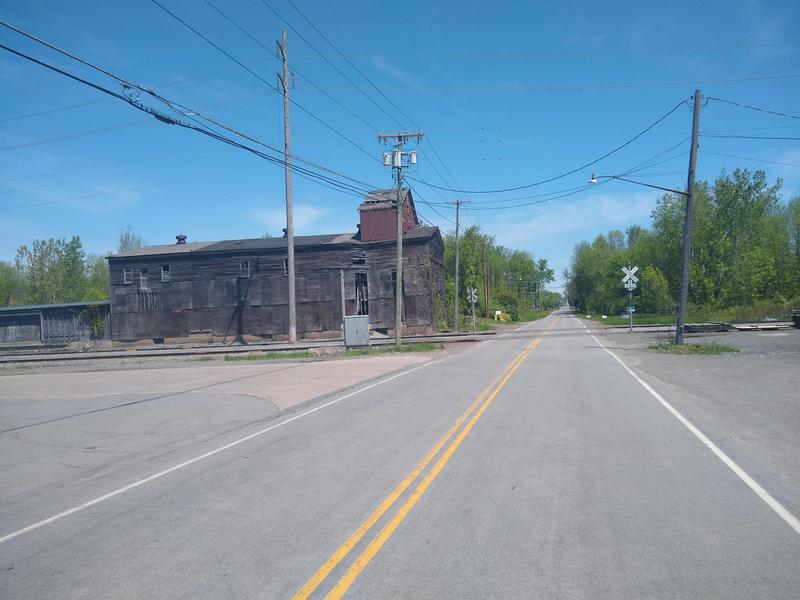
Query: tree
{"x": 11, "y": 285}
{"x": 128, "y": 240}
{"x": 655, "y": 296}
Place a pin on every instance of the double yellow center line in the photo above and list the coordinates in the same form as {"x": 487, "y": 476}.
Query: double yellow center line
{"x": 473, "y": 413}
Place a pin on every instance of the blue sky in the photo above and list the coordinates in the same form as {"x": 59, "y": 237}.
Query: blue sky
{"x": 508, "y": 93}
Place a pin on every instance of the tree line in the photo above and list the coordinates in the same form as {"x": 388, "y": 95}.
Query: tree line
{"x": 745, "y": 254}
{"x": 58, "y": 270}
{"x": 516, "y": 280}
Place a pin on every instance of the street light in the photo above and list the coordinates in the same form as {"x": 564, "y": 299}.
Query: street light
{"x": 594, "y": 179}
{"x": 682, "y": 299}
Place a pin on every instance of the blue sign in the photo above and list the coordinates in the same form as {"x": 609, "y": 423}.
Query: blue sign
{"x": 631, "y": 309}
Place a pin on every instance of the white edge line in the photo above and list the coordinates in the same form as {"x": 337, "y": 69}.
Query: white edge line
{"x": 191, "y": 461}
{"x": 783, "y": 513}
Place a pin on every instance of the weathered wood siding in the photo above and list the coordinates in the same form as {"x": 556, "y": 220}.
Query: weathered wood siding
{"x": 206, "y": 296}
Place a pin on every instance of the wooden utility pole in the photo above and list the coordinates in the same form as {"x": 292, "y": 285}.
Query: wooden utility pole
{"x": 458, "y": 204}
{"x": 395, "y": 160}
{"x": 687, "y": 223}
{"x": 485, "y": 281}
{"x": 287, "y": 154}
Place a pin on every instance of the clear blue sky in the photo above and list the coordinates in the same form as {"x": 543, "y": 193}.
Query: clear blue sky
{"x": 508, "y": 93}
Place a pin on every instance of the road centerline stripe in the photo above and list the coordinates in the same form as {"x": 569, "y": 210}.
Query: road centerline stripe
{"x": 319, "y": 576}
{"x": 375, "y": 545}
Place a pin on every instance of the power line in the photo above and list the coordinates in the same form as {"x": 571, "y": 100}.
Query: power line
{"x": 372, "y": 84}
{"x": 294, "y": 70}
{"x": 770, "y": 162}
{"x": 301, "y": 171}
{"x": 185, "y": 111}
{"x": 575, "y": 170}
{"x": 327, "y": 60}
{"x": 597, "y": 86}
{"x": 257, "y": 76}
{"x": 763, "y": 110}
{"x": 746, "y": 137}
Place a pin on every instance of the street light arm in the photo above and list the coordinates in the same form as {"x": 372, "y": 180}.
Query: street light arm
{"x": 656, "y": 187}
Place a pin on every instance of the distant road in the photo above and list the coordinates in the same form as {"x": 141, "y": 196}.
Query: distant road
{"x": 537, "y": 464}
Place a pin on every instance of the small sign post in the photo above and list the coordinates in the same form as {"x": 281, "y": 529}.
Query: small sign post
{"x": 629, "y": 282}
{"x": 473, "y": 298}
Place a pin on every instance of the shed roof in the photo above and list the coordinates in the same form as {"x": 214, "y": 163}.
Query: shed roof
{"x": 260, "y": 244}
{"x": 35, "y": 307}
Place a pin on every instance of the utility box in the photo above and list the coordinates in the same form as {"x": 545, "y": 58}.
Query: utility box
{"x": 356, "y": 331}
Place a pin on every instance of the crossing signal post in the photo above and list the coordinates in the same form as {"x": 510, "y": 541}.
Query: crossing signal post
{"x": 629, "y": 282}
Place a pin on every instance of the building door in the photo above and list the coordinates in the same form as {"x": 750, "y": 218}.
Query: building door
{"x": 362, "y": 294}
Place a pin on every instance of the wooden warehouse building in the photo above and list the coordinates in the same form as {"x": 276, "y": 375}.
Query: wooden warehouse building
{"x": 237, "y": 290}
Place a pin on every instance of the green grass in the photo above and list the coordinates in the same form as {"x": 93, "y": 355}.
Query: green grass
{"x": 204, "y": 358}
{"x": 692, "y": 349}
{"x": 389, "y": 348}
{"x": 266, "y": 356}
{"x": 645, "y": 319}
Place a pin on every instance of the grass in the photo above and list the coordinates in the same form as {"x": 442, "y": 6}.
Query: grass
{"x": 692, "y": 349}
{"x": 389, "y": 348}
{"x": 266, "y": 356}
{"x": 645, "y": 319}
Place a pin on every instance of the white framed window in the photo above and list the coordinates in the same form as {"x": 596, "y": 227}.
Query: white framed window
{"x": 164, "y": 272}
{"x": 286, "y": 266}
{"x": 244, "y": 268}
{"x": 127, "y": 275}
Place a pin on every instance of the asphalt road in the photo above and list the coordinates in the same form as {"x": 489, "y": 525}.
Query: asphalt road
{"x": 534, "y": 465}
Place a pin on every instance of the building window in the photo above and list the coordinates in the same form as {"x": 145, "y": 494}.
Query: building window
{"x": 286, "y": 266}
{"x": 164, "y": 272}
{"x": 244, "y": 268}
{"x": 143, "y": 283}
{"x": 362, "y": 294}
{"x": 127, "y": 275}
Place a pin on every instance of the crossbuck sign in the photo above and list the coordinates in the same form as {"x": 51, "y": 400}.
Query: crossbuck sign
{"x": 630, "y": 280}
{"x": 629, "y": 274}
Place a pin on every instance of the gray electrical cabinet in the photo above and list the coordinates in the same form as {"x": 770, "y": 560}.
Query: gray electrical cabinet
{"x": 356, "y": 331}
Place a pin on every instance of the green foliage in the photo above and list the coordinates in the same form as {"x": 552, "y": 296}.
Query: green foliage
{"x": 53, "y": 271}
{"x": 516, "y": 280}
{"x": 745, "y": 248}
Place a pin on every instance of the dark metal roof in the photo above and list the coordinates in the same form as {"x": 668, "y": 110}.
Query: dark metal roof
{"x": 260, "y": 244}
{"x": 32, "y": 307}
{"x": 379, "y": 199}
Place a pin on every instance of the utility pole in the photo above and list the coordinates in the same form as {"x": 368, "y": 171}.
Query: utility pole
{"x": 485, "y": 280}
{"x": 458, "y": 204}
{"x": 394, "y": 159}
{"x": 288, "y": 182}
{"x": 687, "y": 223}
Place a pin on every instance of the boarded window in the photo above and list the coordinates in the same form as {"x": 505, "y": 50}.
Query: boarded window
{"x": 148, "y": 301}
{"x": 143, "y": 282}
{"x": 244, "y": 268}
{"x": 164, "y": 272}
{"x": 362, "y": 294}
{"x": 127, "y": 275}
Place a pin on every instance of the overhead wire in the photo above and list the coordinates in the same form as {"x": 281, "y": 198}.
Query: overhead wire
{"x": 575, "y": 170}
{"x": 301, "y": 171}
{"x": 763, "y": 110}
{"x": 257, "y": 76}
